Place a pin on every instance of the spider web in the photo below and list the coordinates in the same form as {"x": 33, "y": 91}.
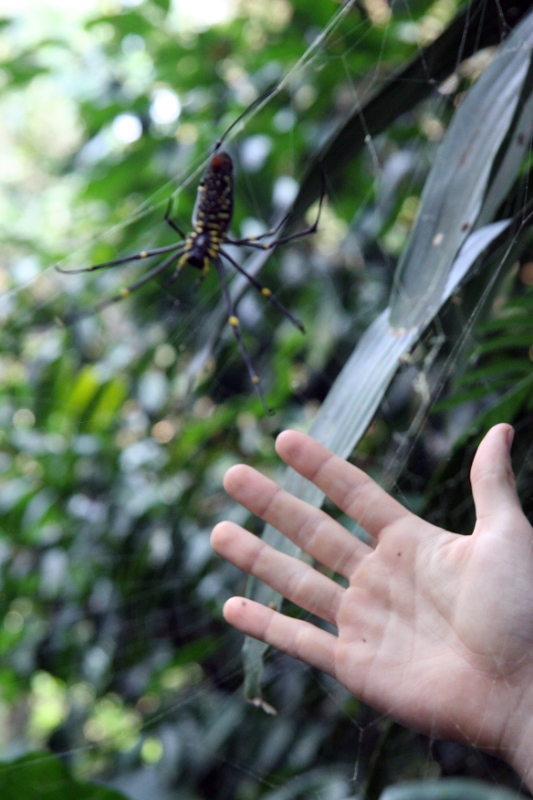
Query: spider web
{"x": 164, "y": 713}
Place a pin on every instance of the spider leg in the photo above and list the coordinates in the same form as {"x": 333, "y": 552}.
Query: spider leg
{"x": 203, "y": 275}
{"x": 265, "y": 292}
{"x": 181, "y": 263}
{"x": 235, "y": 326}
{"x": 271, "y": 232}
{"x": 256, "y": 102}
{"x": 127, "y": 290}
{"x": 119, "y": 261}
{"x": 253, "y": 241}
{"x": 171, "y": 222}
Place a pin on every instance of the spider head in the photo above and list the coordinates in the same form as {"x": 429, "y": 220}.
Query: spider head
{"x": 221, "y": 162}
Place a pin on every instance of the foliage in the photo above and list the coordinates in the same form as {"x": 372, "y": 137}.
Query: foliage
{"x": 25, "y": 777}
{"x": 113, "y": 651}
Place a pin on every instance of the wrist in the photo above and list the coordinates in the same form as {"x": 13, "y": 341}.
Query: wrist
{"x": 517, "y": 741}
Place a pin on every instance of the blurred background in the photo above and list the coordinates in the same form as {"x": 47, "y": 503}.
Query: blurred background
{"x": 114, "y": 433}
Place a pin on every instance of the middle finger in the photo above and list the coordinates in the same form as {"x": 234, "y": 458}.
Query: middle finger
{"x": 308, "y": 527}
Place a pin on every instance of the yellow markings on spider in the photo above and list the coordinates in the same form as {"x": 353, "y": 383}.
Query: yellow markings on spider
{"x": 125, "y": 292}
{"x": 266, "y": 292}
{"x": 234, "y": 321}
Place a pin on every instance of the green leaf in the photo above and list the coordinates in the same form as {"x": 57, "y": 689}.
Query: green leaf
{"x": 452, "y": 199}
{"x": 108, "y": 404}
{"x": 506, "y": 408}
{"x": 22, "y": 71}
{"x": 516, "y": 340}
{"x": 458, "y": 398}
{"x": 129, "y": 22}
{"x": 521, "y": 321}
{"x": 448, "y": 789}
{"x": 498, "y": 368}
{"x": 84, "y": 390}
{"x": 40, "y": 775}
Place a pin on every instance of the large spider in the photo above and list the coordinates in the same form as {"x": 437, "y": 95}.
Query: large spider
{"x": 203, "y": 245}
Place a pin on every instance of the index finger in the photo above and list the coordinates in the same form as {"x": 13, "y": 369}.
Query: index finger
{"x": 347, "y": 486}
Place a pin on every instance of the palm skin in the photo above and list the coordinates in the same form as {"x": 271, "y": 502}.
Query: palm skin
{"x": 435, "y": 629}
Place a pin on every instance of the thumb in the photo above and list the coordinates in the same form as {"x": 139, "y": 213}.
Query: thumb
{"x": 493, "y": 483}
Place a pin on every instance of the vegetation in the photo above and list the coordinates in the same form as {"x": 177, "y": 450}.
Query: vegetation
{"x": 116, "y": 428}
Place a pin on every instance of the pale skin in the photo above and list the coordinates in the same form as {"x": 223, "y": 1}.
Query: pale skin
{"x": 435, "y": 629}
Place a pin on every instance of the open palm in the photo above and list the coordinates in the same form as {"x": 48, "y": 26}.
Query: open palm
{"x": 435, "y": 629}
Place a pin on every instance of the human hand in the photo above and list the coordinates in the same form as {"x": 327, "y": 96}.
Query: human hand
{"x": 435, "y": 629}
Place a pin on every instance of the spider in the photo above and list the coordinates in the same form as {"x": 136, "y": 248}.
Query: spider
{"x": 201, "y": 247}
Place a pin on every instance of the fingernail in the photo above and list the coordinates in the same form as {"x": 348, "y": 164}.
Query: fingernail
{"x": 510, "y": 437}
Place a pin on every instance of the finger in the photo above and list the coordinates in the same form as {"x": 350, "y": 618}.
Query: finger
{"x": 349, "y": 487}
{"x": 295, "y": 637}
{"x": 292, "y": 578}
{"x": 493, "y": 483}
{"x": 308, "y": 527}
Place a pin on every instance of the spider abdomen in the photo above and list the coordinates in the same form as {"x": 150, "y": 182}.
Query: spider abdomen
{"x": 214, "y": 201}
